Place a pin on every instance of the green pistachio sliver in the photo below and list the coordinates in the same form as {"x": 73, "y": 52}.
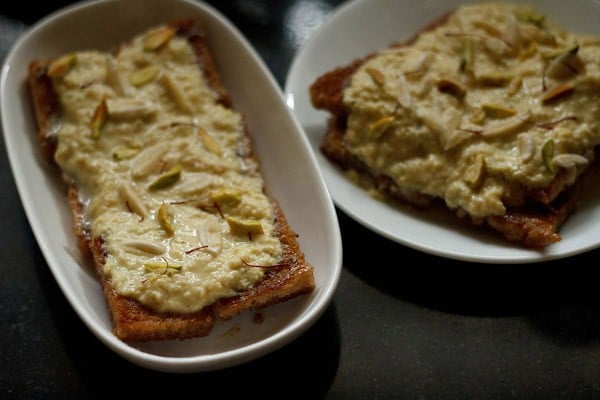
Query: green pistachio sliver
{"x": 244, "y": 226}
{"x": 466, "y": 62}
{"x": 166, "y": 179}
{"x": 497, "y": 110}
{"x": 61, "y": 65}
{"x": 494, "y": 78}
{"x": 547, "y": 154}
{"x": 165, "y": 220}
{"x": 99, "y": 119}
{"x": 561, "y": 52}
{"x": 124, "y": 153}
{"x": 144, "y": 75}
{"x": 377, "y": 128}
{"x": 154, "y": 266}
{"x": 531, "y": 17}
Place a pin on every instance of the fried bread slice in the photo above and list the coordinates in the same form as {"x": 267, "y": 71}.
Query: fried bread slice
{"x": 367, "y": 88}
{"x": 285, "y": 276}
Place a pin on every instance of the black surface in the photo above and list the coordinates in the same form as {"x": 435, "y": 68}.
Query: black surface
{"x": 402, "y": 325}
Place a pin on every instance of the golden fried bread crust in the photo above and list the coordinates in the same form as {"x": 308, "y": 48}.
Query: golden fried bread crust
{"x": 535, "y": 225}
{"x": 132, "y": 321}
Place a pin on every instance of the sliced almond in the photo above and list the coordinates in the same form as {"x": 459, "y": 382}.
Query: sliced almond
{"x": 494, "y": 110}
{"x": 526, "y": 146}
{"x": 548, "y": 155}
{"x": 132, "y": 199}
{"x": 145, "y": 246}
{"x": 209, "y": 142}
{"x": 376, "y": 75}
{"x": 476, "y": 172}
{"x": 558, "y": 92}
{"x": 148, "y": 160}
{"x": 128, "y": 109}
{"x": 114, "y": 78}
{"x": 176, "y": 93}
{"x": 569, "y": 160}
{"x": 209, "y": 234}
{"x": 506, "y": 126}
{"x": 156, "y": 38}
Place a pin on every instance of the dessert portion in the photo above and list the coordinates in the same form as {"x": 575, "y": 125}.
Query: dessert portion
{"x": 493, "y": 111}
{"x": 165, "y": 190}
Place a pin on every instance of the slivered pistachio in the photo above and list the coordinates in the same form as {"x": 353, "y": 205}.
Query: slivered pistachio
{"x": 244, "y": 226}
{"x": 144, "y": 75}
{"x": 209, "y": 142}
{"x": 561, "y": 52}
{"x": 466, "y": 62}
{"x": 494, "y": 78}
{"x": 61, "y": 65}
{"x": 124, "y": 153}
{"x": 132, "y": 199}
{"x": 557, "y": 92}
{"x": 569, "y": 160}
{"x": 494, "y": 110}
{"x": 176, "y": 93}
{"x": 157, "y": 38}
{"x": 547, "y": 155}
{"x": 376, "y": 75}
{"x": 230, "y": 196}
{"x": 99, "y": 119}
{"x": 476, "y": 172}
{"x": 530, "y": 17}
{"x": 452, "y": 88}
{"x": 166, "y": 179}
{"x": 164, "y": 267}
{"x": 377, "y": 128}
{"x": 165, "y": 219}
{"x": 145, "y": 246}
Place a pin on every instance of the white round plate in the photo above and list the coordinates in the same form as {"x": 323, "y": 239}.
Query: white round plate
{"x": 360, "y": 27}
{"x": 280, "y": 145}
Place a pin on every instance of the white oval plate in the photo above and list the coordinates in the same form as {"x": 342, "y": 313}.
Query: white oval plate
{"x": 290, "y": 169}
{"x": 360, "y": 27}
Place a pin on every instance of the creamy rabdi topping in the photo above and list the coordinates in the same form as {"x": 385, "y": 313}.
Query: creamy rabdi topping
{"x": 494, "y": 102}
{"x": 184, "y": 219}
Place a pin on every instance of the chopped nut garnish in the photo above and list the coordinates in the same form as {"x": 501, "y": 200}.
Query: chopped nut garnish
{"x": 569, "y": 160}
{"x": 209, "y": 142}
{"x": 376, "y": 75}
{"x": 165, "y": 219}
{"x": 493, "y": 78}
{"x": 244, "y": 226}
{"x": 99, "y": 119}
{"x": 526, "y": 146}
{"x": 557, "y": 92}
{"x": 176, "y": 93}
{"x": 144, "y": 75}
{"x": 148, "y": 160}
{"x": 124, "y": 153}
{"x": 132, "y": 199}
{"x": 146, "y": 246}
{"x": 497, "y": 110}
{"x": 377, "y": 128}
{"x": 166, "y": 179}
{"x": 475, "y": 173}
{"x": 127, "y": 109}
{"x": 547, "y": 156}
{"x": 164, "y": 267}
{"x": 157, "y": 38}
{"x": 61, "y": 65}
{"x": 452, "y": 88}
{"x": 506, "y": 126}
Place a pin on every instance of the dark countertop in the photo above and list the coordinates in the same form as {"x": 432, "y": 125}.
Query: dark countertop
{"x": 403, "y": 324}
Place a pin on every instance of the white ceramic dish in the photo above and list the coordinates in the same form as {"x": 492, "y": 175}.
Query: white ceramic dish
{"x": 282, "y": 148}
{"x": 363, "y": 26}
